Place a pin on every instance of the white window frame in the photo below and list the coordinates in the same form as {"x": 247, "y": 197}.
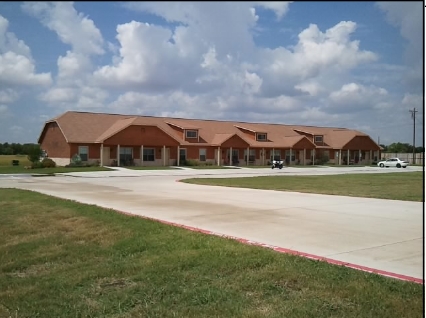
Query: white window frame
{"x": 318, "y": 138}
{"x": 261, "y": 139}
{"x": 80, "y": 152}
{"x": 191, "y": 131}
{"x": 145, "y": 155}
{"x": 202, "y": 154}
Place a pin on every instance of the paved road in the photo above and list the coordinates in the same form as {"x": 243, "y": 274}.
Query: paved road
{"x": 386, "y": 235}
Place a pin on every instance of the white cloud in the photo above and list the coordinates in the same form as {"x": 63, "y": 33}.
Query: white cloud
{"x": 73, "y": 87}
{"x": 315, "y": 114}
{"x": 231, "y": 35}
{"x": 279, "y": 7}
{"x": 18, "y": 70}
{"x": 317, "y": 50}
{"x": 354, "y": 97}
{"x": 9, "y": 42}
{"x": 8, "y": 95}
{"x": 411, "y": 101}
{"x": 3, "y": 109}
{"x": 59, "y": 95}
{"x": 73, "y": 67}
{"x": 72, "y": 27}
{"x": 311, "y": 87}
{"x": 16, "y": 65}
{"x": 408, "y": 17}
{"x": 316, "y": 55}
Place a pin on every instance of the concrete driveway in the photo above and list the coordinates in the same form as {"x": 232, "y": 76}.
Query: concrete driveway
{"x": 384, "y": 236}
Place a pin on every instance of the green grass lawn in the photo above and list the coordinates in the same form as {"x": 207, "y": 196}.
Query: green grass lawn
{"x": 150, "y": 168}
{"x": 62, "y": 259}
{"x": 6, "y": 160}
{"x": 7, "y": 168}
{"x": 211, "y": 167}
{"x": 21, "y": 169}
{"x": 396, "y": 186}
{"x": 285, "y": 166}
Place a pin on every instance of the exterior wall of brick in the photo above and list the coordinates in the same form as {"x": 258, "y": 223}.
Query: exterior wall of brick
{"x": 304, "y": 144}
{"x": 234, "y": 142}
{"x": 53, "y": 141}
{"x": 94, "y": 150}
{"x": 142, "y": 135}
{"x": 361, "y": 143}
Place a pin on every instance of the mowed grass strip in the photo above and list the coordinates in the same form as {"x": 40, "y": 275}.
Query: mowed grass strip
{"x": 22, "y": 170}
{"x": 7, "y": 168}
{"x": 150, "y": 168}
{"x": 59, "y": 258}
{"x": 407, "y": 186}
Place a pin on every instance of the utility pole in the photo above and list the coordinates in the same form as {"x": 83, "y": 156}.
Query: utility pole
{"x": 413, "y": 115}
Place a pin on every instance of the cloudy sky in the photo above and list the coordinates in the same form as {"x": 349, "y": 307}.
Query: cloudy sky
{"x": 346, "y": 64}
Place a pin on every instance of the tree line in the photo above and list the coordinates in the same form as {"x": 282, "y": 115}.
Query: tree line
{"x": 17, "y": 149}
{"x": 27, "y": 149}
{"x": 399, "y": 147}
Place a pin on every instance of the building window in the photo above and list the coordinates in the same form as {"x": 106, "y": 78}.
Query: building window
{"x": 191, "y": 134}
{"x": 276, "y": 155}
{"x": 83, "y": 152}
{"x": 202, "y": 154}
{"x": 261, "y": 137}
{"x": 287, "y": 155}
{"x": 148, "y": 154}
{"x": 252, "y": 156}
{"x": 318, "y": 139}
{"x": 126, "y": 155}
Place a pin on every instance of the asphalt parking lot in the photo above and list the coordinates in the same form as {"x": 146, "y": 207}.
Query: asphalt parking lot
{"x": 384, "y": 235}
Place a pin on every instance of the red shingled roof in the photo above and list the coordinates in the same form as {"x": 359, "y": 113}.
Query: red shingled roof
{"x": 84, "y": 127}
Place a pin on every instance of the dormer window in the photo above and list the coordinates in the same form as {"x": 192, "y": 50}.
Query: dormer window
{"x": 191, "y": 134}
{"x": 318, "y": 139}
{"x": 261, "y": 137}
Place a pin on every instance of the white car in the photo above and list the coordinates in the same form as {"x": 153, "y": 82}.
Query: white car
{"x": 393, "y": 162}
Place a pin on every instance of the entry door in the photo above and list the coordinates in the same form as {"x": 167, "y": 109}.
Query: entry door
{"x": 182, "y": 155}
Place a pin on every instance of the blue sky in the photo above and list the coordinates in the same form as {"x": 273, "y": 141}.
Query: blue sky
{"x": 344, "y": 64}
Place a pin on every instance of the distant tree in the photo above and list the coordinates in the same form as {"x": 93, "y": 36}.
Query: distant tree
{"x": 17, "y": 148}
{"x": 34, "y": 153}
{"x": 398, "y": 147}
{"x": 26, "y": 148}
{"x": 385, "y": 148}
{"x": 7, "y": 150}
{"x": 420, "y": 149}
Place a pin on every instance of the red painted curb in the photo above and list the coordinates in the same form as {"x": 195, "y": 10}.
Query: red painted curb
{"x": 286, "y": 250}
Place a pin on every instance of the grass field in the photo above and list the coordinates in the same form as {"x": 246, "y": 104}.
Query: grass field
{"x": 395, "y": 186}
{"x": 6, "y": 160}
{"x": 59, "y": 258}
